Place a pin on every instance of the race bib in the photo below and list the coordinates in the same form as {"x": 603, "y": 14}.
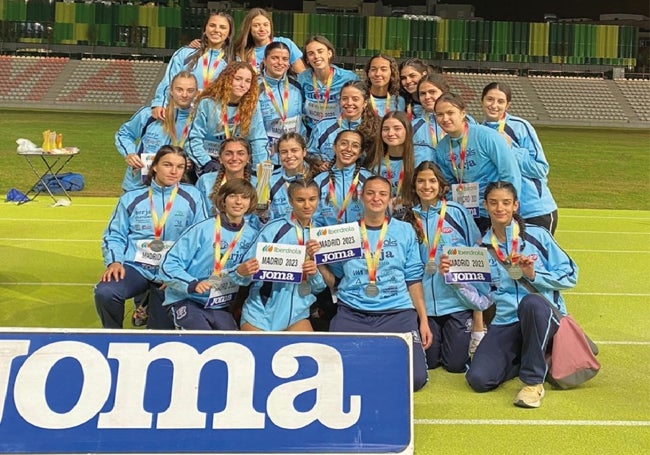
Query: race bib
{"x": 315, "y": 110}
{"x": 278, "y": 128}
{"x": 146, "y": 256}
{"x": 147, "y": 159}
{"x": 212, "y": 148}
{"x": 222, "y": 293}
{"x": 467, "y": 197}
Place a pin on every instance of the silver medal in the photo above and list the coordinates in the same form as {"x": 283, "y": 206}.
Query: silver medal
{"x": 304, "y": 289}
{"x": 430, "y": 268}
{"x": 156, "y": 245}
{"x": 215, "y": 281}
{"x": 515, "y": 272}
{"x": 372, "y": 290}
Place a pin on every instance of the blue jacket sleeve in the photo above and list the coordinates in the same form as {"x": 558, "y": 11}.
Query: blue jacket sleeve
{"x": 530, "y": 153}
{"x": 504, "y": 159}
{"x": 129, "y": 133}
{"x": 115, "y": 239}
{"x": 258, "y": 139}
{"x": 558, "y": 271}
{"x": 198, "y": 132}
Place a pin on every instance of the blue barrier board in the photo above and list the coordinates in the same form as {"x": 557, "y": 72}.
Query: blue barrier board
{"x": 136, "y": 391}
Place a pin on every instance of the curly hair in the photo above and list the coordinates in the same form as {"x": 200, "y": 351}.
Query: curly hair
{"x": 393, "y": 83}
{"x": 220, "y": 91}
{"x": 227, "y": 47}
{"x": 369, "y": 121}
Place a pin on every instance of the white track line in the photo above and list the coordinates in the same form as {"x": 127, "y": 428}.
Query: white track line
{"x": 608, "y": 251}
{"x": 9, "y": 239}
{"x": 607, "y": 294}
{"x": 598, "y": 423}
{"x": 591, "y": 217}
{"x": 603, "y": 232}
{"x": 54, "y": 220}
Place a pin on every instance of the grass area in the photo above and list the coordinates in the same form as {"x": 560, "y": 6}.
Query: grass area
{"x": 590, "y": 167}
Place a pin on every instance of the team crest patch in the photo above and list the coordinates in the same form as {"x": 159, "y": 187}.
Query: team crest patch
{"x": 180, "y": 312}
{"x": 447, "y": 230}
{"x": 469, "y": 325}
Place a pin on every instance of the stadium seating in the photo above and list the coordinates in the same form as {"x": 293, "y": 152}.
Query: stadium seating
{"x": 111, "y": 82}
{"x": 637, "y": 94}
{"x": 577, "y": 98}
{"x": 125, "y": 85}
{"x": 28, "y": 79}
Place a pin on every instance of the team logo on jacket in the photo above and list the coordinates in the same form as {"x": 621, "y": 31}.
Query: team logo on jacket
{"x": 447, "y": 230}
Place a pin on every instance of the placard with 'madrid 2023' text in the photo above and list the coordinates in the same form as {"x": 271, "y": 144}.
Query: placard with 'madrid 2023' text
{"x": 337, "y": 243}
{"x": 468, "y": 265}
{"x": 280, "y": 262}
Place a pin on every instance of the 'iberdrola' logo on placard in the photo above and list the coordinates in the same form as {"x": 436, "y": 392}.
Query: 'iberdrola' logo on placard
{"x": 452, "y": 251}
{"x": 322, "y": 232}
{"x": 268, "y": 248}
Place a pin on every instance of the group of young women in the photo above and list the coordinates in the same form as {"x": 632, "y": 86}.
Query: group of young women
{"x": 396, "y": 153}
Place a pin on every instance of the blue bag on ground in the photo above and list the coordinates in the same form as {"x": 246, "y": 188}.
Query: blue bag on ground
{"x": 70, "y": 181}
{"x": 14, "y": 195}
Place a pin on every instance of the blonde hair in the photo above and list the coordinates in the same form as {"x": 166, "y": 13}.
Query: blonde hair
{"x": 169, "y": 123}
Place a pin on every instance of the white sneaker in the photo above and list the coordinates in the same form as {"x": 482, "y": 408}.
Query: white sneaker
{"x": 530, "y": 396}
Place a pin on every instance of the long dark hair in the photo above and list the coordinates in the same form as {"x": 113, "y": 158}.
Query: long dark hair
{"x": 245, "y": 44}
{"x": 376, "y": 155}
{"x": 227, "y": 47}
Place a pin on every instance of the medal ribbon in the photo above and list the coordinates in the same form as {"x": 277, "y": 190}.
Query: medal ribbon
{"x": 502, "y": 124}
{"x": 375, "y": 109}
{"x": 301, "y": 239}
{"x": 224, "y": 121}
{"x": 348, "y": 196}
{"x": 207, "y": 74}
{"x": 389, "y": 176}
{"x": 409, "y": 112}
{"x": 460, "y": 170}
{"x": 372, "y": 259}
{"x": 186, "y": 129}
{"x": 512, "y": 257}
{"x": 158, "y": 224}
{"x": 285, "y": 98}
{"x": 328, "y": 88}
{"x": 432, "y": 132}
{"x": 219, "y": 260}
{"x": 436, "y": 238}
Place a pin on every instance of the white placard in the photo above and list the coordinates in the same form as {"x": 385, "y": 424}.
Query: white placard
{"x": 337, "y": 242}
{"x": 468, "y": 265}
{"x": 467, "y": 197}
{"x": 280, "y": 262}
